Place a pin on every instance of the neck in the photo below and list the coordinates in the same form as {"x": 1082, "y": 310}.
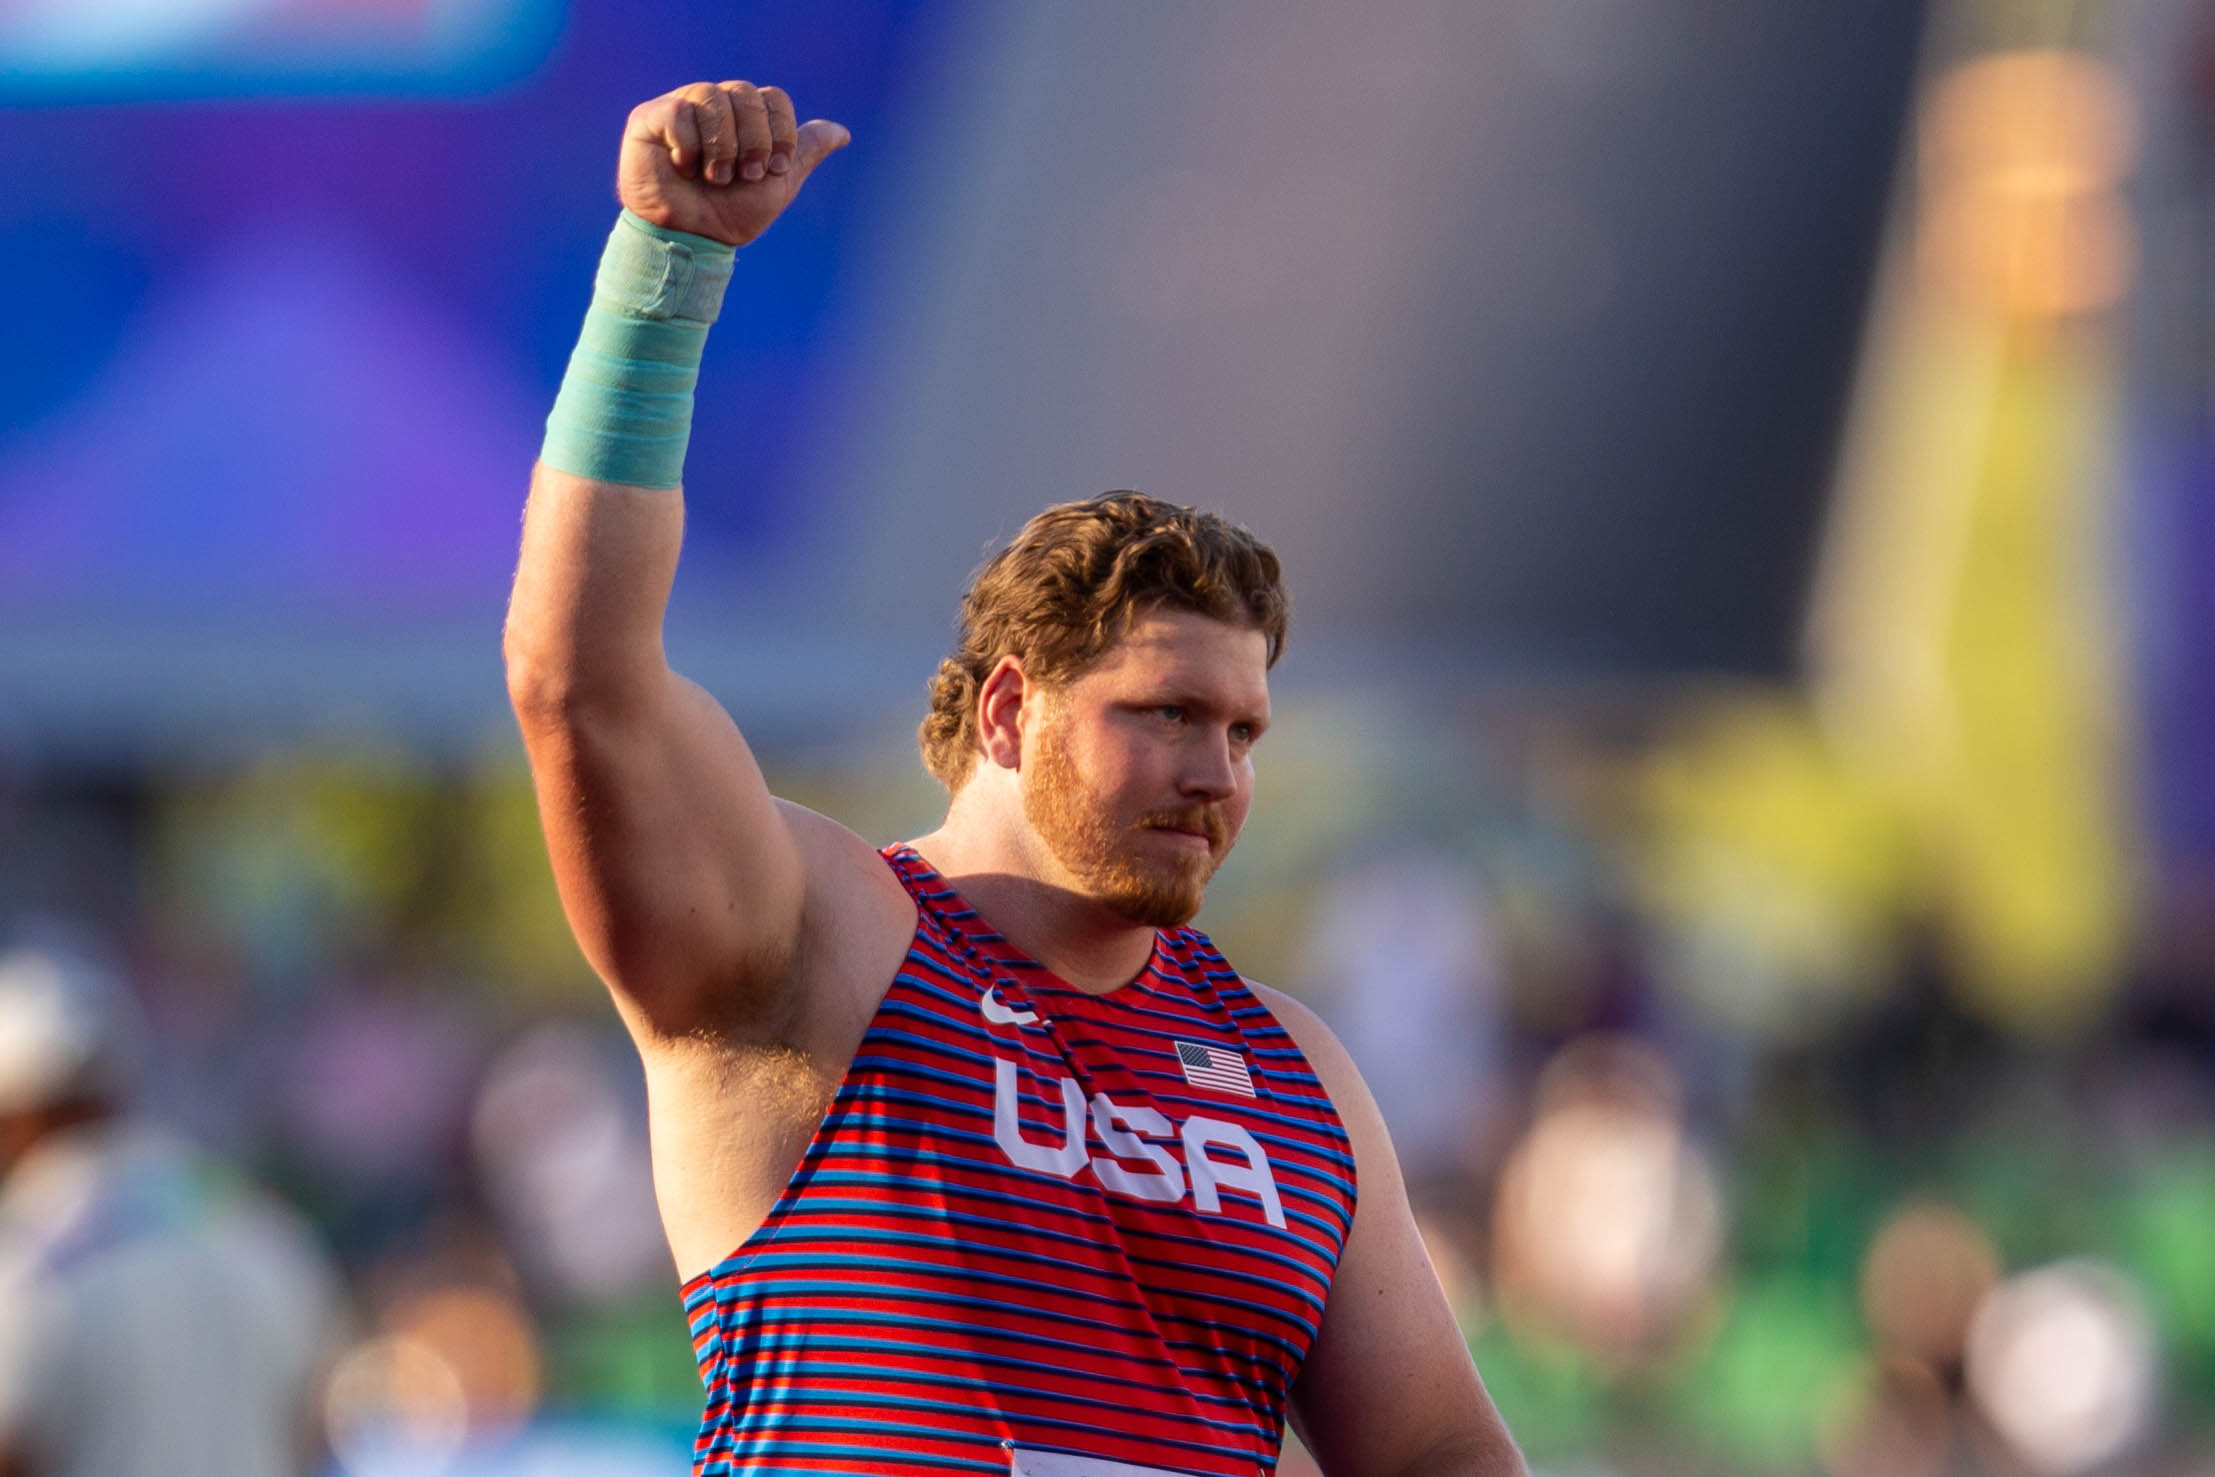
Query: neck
{"x": 1034, "y": 904}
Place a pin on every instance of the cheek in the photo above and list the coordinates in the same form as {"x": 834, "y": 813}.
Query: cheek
{"x": 1110, "y": 770}
{"x": 1119, "y": 763}
{"x": 1138, "y": 781}
{"x": 1235, "y": 808}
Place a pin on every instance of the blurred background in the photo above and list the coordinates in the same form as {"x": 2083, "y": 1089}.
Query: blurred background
{"x": 1742, "y": 781}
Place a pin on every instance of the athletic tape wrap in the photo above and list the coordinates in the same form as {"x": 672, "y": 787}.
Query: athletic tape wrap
{"x": 624, "y": 412}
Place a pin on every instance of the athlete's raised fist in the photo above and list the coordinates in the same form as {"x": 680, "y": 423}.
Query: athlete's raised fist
{"x": 720, "y": 159}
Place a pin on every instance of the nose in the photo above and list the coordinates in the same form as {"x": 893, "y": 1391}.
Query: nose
{"x": 1210, "y": 773}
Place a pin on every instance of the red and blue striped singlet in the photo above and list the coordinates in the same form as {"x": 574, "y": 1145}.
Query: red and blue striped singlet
{"x": 1038, "y": 1232}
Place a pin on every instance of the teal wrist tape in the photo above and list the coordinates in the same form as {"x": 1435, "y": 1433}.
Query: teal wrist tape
{"x": 624, "y": 413}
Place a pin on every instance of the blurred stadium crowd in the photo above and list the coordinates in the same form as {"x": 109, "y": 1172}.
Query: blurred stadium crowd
{"x": 1796, "y": 1073}
{"x": 1727, "y": 1164}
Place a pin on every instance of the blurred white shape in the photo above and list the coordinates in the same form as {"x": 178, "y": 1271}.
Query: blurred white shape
{"x": 138, "y": 1275}
{"x": 1634, "y": 1215}
{"x": 394, "y": 1407}
{"x": 1404, "y": 958}
{"x": 67, "y": 1027}
{"x": 1608, "y": 1220}
{"x": 109, "y": 32}
{"x": 567, "y": 1448}
{"x": 564, "y": 1154}
{"x": 112, "y": 49}
{"x": 579, "y": 1453}
{"x": 2062, "y": 1363}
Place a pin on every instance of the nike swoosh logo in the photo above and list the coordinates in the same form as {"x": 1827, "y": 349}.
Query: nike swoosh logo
{"x": 1001, "y": 1015}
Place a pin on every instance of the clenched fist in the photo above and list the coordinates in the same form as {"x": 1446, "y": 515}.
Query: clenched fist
{"x": 719, "y": 159}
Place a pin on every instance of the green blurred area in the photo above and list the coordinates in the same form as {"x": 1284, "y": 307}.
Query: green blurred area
{"x": 311, "y": 876}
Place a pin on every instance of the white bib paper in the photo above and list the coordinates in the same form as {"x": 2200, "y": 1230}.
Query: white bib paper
{"x": 1025, "y": 1461}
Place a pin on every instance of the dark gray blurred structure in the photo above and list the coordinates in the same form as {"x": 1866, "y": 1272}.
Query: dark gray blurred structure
{"x": 1522, "y": 329}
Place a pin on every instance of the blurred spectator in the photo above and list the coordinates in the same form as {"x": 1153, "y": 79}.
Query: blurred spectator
{"x": 1404, "y": 966}
{"x": 561, "y": 1147}
{"x": 1608, "y": 1220}
{"x": 154, "y": 1310}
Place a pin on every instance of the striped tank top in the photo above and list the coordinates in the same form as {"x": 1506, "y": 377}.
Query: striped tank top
{"x": 1038, "y": 1232}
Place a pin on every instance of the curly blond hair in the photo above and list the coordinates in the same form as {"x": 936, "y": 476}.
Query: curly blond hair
{"x": 1067, "y": 587}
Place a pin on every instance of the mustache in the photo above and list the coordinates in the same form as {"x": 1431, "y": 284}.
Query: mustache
{"x": 1204, "y": 819}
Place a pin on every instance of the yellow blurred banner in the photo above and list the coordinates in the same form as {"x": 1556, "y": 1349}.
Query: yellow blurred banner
{"x": 1964, "y": 639}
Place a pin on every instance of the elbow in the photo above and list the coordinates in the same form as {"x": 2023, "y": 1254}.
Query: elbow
{"x": 537, "y": 685}
{"x": 1493, "y": 1454}
{"x": 1486, "y": 1450}
{"x": 552, "y": 684}
{"x": 541, "y": 689}
{"x": 554, "y": 677}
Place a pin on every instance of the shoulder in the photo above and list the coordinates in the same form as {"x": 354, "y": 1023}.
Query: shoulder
{"x": 1334, "y": 1067}
{"x": 822, "y": 839}
{"x": 1317, "y": 1042}
{"x": 844, "y": 872}
{"x": 856, "y": 921}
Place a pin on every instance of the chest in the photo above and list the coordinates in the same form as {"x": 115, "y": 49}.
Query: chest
{"x": 1170, "y": 1122}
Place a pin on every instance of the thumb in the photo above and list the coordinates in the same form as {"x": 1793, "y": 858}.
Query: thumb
{"x": 818, "y": 139}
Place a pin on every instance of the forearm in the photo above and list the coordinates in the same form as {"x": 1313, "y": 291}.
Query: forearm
{"x": 703, "y": 170}
{"x": 601, "y": 534}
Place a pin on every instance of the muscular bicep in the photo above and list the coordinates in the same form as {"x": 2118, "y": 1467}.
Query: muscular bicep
{"x": 677, "y": 871}
{"x": 678, "y": 875}
{"x": 1388, "y": 1389}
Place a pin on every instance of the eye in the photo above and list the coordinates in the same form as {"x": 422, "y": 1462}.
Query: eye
{"x": 1170, "y": 713}
{"x": 1245, "y": 733}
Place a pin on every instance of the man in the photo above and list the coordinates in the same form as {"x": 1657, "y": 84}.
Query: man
{"x": 974, "y": 1158}
{"x": 155, "y": 1313}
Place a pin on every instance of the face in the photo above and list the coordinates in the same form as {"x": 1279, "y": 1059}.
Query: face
{"x": 1139, "y": 774}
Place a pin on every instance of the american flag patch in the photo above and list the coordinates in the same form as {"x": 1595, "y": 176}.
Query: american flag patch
{"x": 1211, "y": 1066}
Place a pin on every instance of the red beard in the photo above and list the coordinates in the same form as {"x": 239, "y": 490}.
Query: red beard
{"x": 1159, "y": 886}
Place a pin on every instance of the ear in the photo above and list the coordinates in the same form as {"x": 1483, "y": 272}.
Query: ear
{"x": 1000, "y": 713}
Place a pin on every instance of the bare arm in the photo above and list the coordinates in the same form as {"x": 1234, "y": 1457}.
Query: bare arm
{"x": 679, "y": 876}
{"x": 1389, "y": 1389}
